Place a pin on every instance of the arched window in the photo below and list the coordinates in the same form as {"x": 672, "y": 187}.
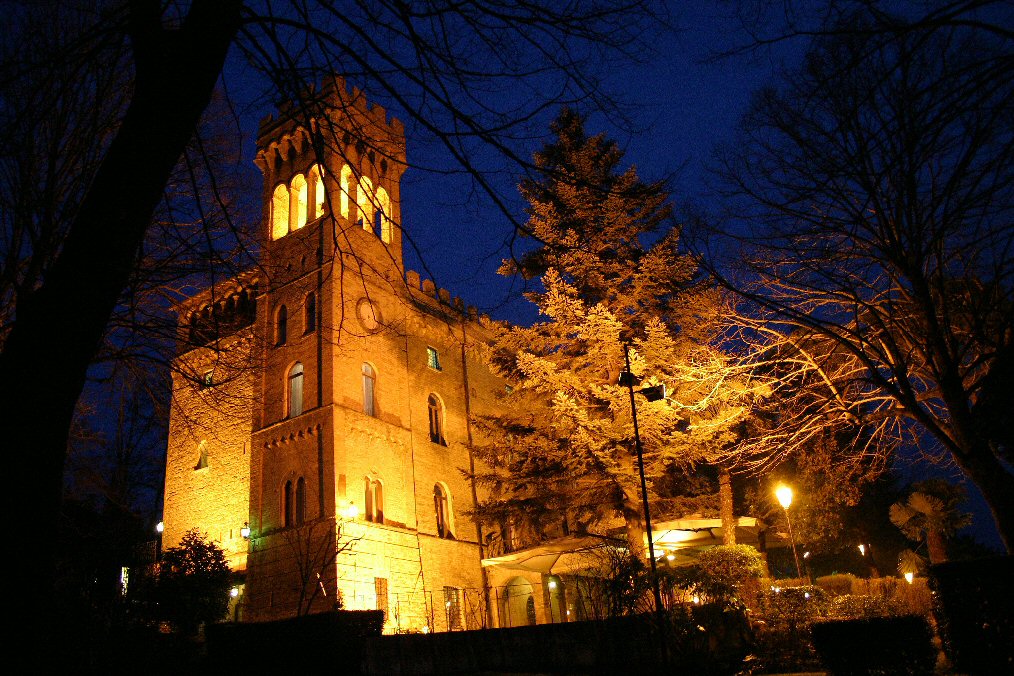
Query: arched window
{"x": 280, "y": 212}
{"x": 346, "y": 190}
{"x": 369, "y": 390}
{"x": 300, "y": 501}
{"x": 295, "y": 390}
{"x": 202, "y": 455}
{"x": 365, "y": 203}
{"x": 384, "y": 215}
{"x": 287, "y": 506}
{"x": 281, "y": 326}
{"x": 317, "y": 185}
{"x": 310, "y": 313}
{"x": 300, "y": 198}
{"x": 442, "y": 507}
{"x": 436, "y": 414}
{"x": 374, "y": 500}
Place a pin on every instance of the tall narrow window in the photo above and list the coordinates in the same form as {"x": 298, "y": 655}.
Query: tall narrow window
{"x": 442, "y": 507}
{"x": 384, "y": 215}
{"x": 300, "y": 198}
{"x": 317, "y": 185}
{"x": 452, "y": 608}
{"x": 287, "y": 506}
{"x": 380, "y": 587}
{"x": 310, "y": 313}
{"x": 369, "y": 390}
{"x": 433, "y": 358}
{"x": 295, "y": 390}
{"x": 300, "y": 501}
{"x": 345, "y": 189}
{"x": 436, "y": 411}
{"x": 280, "y": 212}
{"x": 202, "y": 455}
{"x": 374, "y": 500}
{"x": 365, "y": 203}
{"x": 281, "y": 326}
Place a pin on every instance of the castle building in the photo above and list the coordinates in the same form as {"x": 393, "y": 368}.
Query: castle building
{"x": 321, "y": 401}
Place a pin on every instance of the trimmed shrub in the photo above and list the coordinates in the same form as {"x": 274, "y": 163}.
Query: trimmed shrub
{"x": 838, "y": 584}
{"x": 878, "y": 645}
{"x": 855, "y": 607}
{"x": 310, "y": 642}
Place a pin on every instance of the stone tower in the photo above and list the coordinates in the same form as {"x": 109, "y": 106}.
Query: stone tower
{"x": 328, "y": 407}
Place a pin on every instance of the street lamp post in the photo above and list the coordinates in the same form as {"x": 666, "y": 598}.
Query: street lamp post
{"x": 644, "y": 484}
{"x": 784, "y": 495}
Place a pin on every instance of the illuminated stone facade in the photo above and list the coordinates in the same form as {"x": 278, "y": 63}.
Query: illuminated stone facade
{"x": 331, "y": 401}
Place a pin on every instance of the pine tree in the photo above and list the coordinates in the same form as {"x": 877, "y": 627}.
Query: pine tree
{"x": 560, "y": 454}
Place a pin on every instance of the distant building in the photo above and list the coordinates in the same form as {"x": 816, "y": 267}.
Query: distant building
{"x": 324, "y": 397}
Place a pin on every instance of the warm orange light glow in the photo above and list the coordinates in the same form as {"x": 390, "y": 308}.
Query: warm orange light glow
{"x": 909, "y": 576}
{"x": 784, "y": 495}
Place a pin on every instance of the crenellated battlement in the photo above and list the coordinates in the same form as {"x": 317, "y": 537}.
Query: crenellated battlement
{"x": 416, "y": 283}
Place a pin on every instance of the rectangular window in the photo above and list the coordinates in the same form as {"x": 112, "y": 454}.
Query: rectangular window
{"x": 380, "y": 587}
{"x": 433, "y": 358}
{"x": 452, "y": 608}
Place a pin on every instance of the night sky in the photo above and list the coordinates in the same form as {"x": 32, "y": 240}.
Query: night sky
{"x": 679, "y": 102}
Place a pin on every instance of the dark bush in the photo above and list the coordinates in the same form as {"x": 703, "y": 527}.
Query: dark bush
{"x": 311, "y": 642}
{"x": 877, "y": 645}
{"x": 974, "y": 613}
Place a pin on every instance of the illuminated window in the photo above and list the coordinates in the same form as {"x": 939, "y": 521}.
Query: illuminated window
{"x": 383, "y": 217}
{"x": 300, "y": 199}
{"x": 374, "y": 500}
{"x": 442, "y": 507}
{"x": 295, "y": 390}
{"x": 365, "y": 200}
{"x": 317, "y": 184}
{"x": 300, "y": 501}
{"x": 436, "y": 415}
{"x": 202, "y": 455}
{"x": 280, "y": 212}
{"x": 369, "y": 390}
{"x": 281, "y": 326}
{"x": 433, "y": 358}
{"x": 345, "y": 189}
{"x": 310, "y": 313}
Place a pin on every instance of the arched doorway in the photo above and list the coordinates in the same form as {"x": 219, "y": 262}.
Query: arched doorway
{"x": 517, "y": 603}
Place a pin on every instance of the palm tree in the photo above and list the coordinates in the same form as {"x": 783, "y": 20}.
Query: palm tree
{"x": 931, "y": 513}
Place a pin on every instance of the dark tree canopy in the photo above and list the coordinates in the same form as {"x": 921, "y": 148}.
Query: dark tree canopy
{"x": 192, "y": 584}
{"x": 873, "y": 189}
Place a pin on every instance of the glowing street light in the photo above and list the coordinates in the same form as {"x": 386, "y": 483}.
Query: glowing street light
{"x": 784, "y": 495}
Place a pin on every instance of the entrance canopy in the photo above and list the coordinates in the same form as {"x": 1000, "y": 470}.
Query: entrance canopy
{"x": 562, "y": 555}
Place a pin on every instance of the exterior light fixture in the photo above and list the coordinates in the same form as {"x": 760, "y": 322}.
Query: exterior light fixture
{"x": 909, "y": 576}
{"x": 234, "y": 592}
{"x": 426, "y": 629}
{"x": 862, "y": 549}
{"x": 628, "y": 379}
{"x": 784, "y": 495}
{"x": 159, "y": 527}
{"x": 245, "y": 530}
{"x": 806, "y": 555}
{"x": 351, "y": 512}
{"x": 552, "y": 584}
{"x": 670, "y": 557}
